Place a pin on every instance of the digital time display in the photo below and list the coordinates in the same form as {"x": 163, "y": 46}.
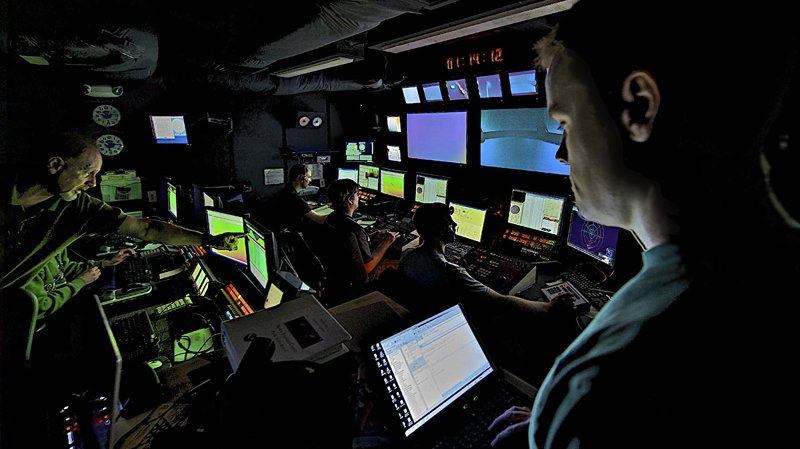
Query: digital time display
{"x": 475, "y": 59}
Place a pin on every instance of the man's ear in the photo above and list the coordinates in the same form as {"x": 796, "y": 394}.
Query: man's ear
{"x": 642, "y": 99}
{"x": 55, "y": 164}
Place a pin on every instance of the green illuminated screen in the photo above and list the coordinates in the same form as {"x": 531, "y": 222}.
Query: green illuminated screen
{"x": 392, "y": 183}
{"x": 220, "y": 223}
{"x": 469, "y": 221}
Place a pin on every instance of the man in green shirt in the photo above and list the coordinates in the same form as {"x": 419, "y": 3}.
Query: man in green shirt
{"x": 62, "y": 278}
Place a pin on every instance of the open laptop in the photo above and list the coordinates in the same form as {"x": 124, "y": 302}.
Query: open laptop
{"x": 439, "y": 381}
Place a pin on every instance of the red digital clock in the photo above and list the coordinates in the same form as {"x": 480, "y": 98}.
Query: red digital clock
{"x": 475, "y": 59}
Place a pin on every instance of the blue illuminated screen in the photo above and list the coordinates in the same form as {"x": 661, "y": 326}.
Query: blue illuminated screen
{"x": 521, "y": 139}
{"x": 432, "y": 92}
{"x": 523, "y": 83}
{"x": 411, "y": 95}
{"x": 437, "y": 136}
{"x": 457, "y": 89}
{"x": 489, "y": 86}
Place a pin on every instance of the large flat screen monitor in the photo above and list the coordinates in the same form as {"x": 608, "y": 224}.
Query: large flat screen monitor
{"x": 172, "y": 200}
{"x": 430, "y": 189}
{"x": 219, "y": 223}
{"x": 437, "y": 136}
{"x": 535, "y": 211}
{"x": 262, "y": 257}
{"x": 469, "y": 221}
{"x": 593, "y": 239}
{"x": 393, "y": 183}
{"x": 169, "y": 129}
{"x": 348, "y": 173}
{"x": 358, "y": 151}
{"x": 521, "y": 139}
{"x": 368, "y": 177}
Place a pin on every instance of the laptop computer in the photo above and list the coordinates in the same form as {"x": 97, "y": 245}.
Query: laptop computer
{"x": 441, "y": 386}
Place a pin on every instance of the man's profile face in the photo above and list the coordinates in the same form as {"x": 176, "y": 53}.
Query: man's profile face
{"x": 78, "y": 174}
{"x": 306, "y": 179}
{"x": 591, "y": 142}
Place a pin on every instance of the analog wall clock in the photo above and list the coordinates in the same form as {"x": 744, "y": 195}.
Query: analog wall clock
{"x": 110, "y": 145}
{"x": 106, "y": 115}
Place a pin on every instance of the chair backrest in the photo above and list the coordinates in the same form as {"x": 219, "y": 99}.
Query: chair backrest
{"x": 19, "y": 308}
{"x": 303, "y": 258}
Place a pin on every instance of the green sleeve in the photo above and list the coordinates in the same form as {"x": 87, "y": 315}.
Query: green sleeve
{"x": 56, "y": 299}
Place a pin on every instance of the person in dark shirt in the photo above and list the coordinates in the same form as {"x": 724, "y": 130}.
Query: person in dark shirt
{"x": 286, "y": 209}
{"x": 358, "y": 254}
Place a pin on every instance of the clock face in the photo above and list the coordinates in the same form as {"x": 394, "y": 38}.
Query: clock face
{"x": 109, "y": 145}
{"x": 316, "y": 122}
{"x": 303, "y": 121}
{"x": 106, "y": 115}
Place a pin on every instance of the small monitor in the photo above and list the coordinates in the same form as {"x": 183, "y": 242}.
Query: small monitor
{"x": 432, "y": 91}
{"x": 172, "y": 200}
{"x": 430, "y": 189}
{"x": 358, "y": 151}
{"x": 393, "y": 153}
{"x": 411, "y": 95}
{"x": 393, "y": 183}
{"x": 261, "y": 255}
{"x": 457, "y": 89}
{"x": 393, "y": 123}
{"x": 348, "y": 173}
{"x": 521, "y": 139}
{"x": 537, "y": 212}
{"x": 489, "y": 86}
{"x": 469, "y": 221}
{"x": 169, "y": 129}
{"x": 523, "y": 83}
{"x": 207, "y": 200}
{"x": 368, "y": 177}
{"x": 438, "y": 136}
{"x": 593, "y": 239}
{"x": 221, "y": 222}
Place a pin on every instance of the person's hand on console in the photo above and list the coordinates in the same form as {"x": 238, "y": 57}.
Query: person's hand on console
{"x": 90, "y": 275}
{"x": 118, "y": 258}
{"x": 511, "y": 428}
{"x": 563, "y": 303}
{"x": 228, "y": 241}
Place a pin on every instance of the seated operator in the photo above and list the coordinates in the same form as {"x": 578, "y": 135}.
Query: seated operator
{"x": 62, "y": 278}
{"x": 286, "y": 209}
{"x": 426, "y": 264}
{"x": 362, "y": 262}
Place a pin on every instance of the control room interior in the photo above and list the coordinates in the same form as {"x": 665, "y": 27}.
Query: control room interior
{"x": 442, "y": 89}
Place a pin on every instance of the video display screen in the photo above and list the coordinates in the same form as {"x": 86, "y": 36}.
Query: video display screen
{"x": 438, "y": 136}
{"x": 521, "y": 139}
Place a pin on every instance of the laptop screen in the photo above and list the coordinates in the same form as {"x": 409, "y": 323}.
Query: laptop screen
{"x": 429, "y": 365}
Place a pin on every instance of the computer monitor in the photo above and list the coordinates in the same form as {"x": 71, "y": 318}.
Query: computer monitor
{"x": 358, "y": 151}
{"x": 411, "y": 95}
{"x": 393, "y": 183}
{"x": 262, "y": 257}
{"x": 523, "y": 83}
{"x": 457, "y": 89}
{"x": 521, "y": 139}
{"x": 489, "y": 86}
{"x": 437, "y": 136}
{"x": 430, "y": 189}
{"x": 432, "y": 91}
{"x": 535, "y": 211}
{"x": 221, "y": 222}
{"x": 348, "y": 173}
{"x": 369, "y": 177}
{"x": 393, "y": 153}
{"x": 172, "y": 200}
{"x": 201, "y": 278}
{"x": 469, "y": 221}
{"x": 593, "y": 239}
{"x": 169, "y": 129}
{"x": 393, "y": 123}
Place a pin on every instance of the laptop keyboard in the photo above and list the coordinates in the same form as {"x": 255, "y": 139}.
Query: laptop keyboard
{"x": 476, "y": 434}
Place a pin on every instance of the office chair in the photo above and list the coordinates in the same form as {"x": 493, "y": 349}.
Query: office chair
{"x": 20, "y": 309}
{"x": 303, "y": 258}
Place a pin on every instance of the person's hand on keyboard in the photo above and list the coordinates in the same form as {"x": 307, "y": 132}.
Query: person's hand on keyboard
{"x": 118, "y": 258}
{"x": 511, "y": 428}
{"x": 384, "y": 234}
{"x": 90, "y": 275}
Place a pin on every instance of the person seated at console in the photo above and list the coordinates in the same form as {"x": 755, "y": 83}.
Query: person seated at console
{"x": 355, "y": 257}
{"x": 62, "y": 278}
{"x": 426, "y": 264}
{"x": 286, "y": 209}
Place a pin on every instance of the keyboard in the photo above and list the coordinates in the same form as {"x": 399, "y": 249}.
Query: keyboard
{"x": 475, "y": 433}
{"x": 598, "y": 298}
{"x": 457, "y": 249}
{"x": 135, "y": 336}
{"x": 133, "y": 270}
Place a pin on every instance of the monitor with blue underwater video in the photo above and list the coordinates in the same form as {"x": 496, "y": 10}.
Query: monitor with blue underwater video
{"x": 523, "y": 83}
{"x": 437, "y": 136}
{"x": 521, "y": 139}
